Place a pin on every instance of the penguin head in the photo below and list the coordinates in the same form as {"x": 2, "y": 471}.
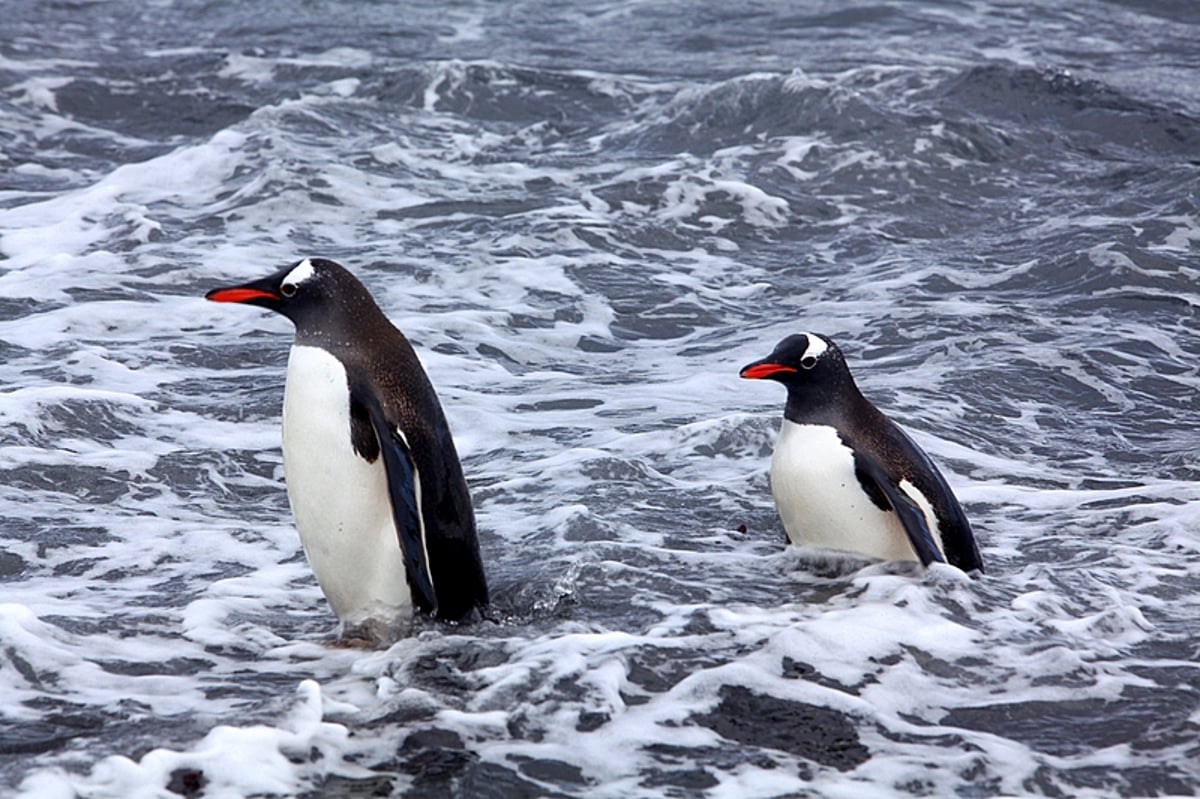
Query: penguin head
{"x": 314, "y": 292}
{"x": 813, "y": 370}
{"x": 798, "y": 359}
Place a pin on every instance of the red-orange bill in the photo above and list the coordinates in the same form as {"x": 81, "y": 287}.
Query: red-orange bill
{"x": 762, "y": 370}
{"x": 239, "y": 294}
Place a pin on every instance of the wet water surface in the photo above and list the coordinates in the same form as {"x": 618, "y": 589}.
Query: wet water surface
{"x": 587, "y": 218}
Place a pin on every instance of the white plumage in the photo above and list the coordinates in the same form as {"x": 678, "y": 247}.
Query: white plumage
{"x": 822, "y": 503}
{"x": 340, "y": 501}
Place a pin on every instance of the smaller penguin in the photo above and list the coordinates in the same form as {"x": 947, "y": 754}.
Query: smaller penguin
{"x": 846, "y": 477}
{"x": 373, "y": 478}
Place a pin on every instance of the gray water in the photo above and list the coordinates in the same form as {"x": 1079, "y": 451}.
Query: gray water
{"x": 587, "y": 218}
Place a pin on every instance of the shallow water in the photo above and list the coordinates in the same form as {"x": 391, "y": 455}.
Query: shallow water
{"x": 587, "y": 218}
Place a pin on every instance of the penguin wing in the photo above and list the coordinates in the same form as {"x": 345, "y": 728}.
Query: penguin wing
{"x": 910, "y": 513}
{"x": 957, "y": 539}
{"x": 404, "y": 491}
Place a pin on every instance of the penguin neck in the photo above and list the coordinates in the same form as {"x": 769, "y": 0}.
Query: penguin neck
{"x": 825, "y": 404}
{"x": 340, "y": 330}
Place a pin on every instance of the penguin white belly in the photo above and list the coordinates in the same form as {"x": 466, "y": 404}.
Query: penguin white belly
{"x": 822, "y": 503}
{"x": 340, "y": 501}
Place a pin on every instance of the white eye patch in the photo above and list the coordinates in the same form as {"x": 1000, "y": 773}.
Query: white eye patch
{"x": 302, "y": 272}
{"x": 816, "y": 348}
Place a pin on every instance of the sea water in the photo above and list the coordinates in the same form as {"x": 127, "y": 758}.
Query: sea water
{"x": 587, "y": 217}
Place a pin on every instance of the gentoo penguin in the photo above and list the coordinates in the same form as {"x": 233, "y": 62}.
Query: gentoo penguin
{"x": 374, "y": 481}
{"x": 845, "y": 476}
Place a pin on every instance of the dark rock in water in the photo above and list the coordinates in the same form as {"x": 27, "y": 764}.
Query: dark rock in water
{"x": 187, "y": 782}
{"x": 816, "y": 733}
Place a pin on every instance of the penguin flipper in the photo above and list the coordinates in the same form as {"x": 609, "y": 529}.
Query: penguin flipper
{"x": 911, "y": 516}
{"x": 404, "y": 491}
{"x": 957, "y": 539}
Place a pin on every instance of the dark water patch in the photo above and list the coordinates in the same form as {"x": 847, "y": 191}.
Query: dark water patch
{"x": 509, "y": 94}
{"x": 11, "y": 565}
{"x": 657, "y": 670}
{"x": 673, "y": 321}
{"x": 850, "y": 18}
{"x": 608, "y": 470}
{"x": 83, "y": 150}
{"x": 734, "y": 111}
{"x": 253, "y": 397}
{"x": 1097, "y": 279}
{"x": 243, "y": 479}
{"x": 435, "y": 758}
{"x": 261, "y": 356}
{"x": 512, "y": 364}
{"x": 551, "y": 771}
{"x": 815, "y": 733}
{"x": 52, "y": 534}
{"x": 547, "y": 319}
{"x": 99, "y": 419}
{"x": 793, "y": 669}
{"x": 685, "y": 782}
{"x": 1073, "y": 727}
{"x": 1086, "y": 114}
{"x": 263, "y": 351}
{"x": 438, "y": 765}
{"x": 1181, "y": 11}
{"x": 562, "y": 404}
{"x": 148, "y": 108}
{"x": 493, "y": 781}
{"x": 19, "y": 308}
{"x": 78, "y": 567}
{"x": 442, "y": 210}
{"x": 335, "y": 787}
{"x": 28, "y": 672}
{"x": 1160, "y": 779}
{"x": 641, "y": 234}
{"x": 87, "y": 483}
{"x": 447, "y": 669}
{"x": 50, "y": 733}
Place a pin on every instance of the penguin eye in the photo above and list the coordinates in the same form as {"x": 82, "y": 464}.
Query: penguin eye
{"x": 808, "y": 361}
{"x": 288, "y": 289}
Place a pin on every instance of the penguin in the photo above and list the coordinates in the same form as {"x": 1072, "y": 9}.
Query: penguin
{"x": 373, "y": 478}
{"x": 844, "y": 476}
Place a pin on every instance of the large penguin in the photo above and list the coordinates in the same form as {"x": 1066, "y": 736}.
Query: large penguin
{"x": 374, "y": 481}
